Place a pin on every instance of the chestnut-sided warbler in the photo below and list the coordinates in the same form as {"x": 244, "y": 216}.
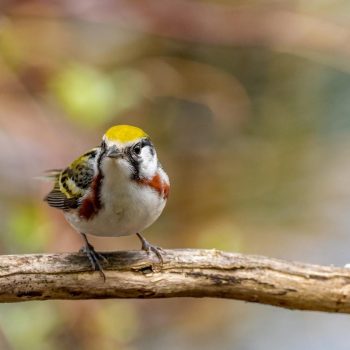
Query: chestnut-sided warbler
{"x": 116, "y": 189}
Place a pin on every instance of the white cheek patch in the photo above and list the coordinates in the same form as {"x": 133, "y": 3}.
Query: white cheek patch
{"x": 149, "y": 162}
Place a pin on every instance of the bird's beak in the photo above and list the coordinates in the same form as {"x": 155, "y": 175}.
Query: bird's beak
{"x": 114, "y": 153}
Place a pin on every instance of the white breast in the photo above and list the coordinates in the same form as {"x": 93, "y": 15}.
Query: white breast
{"x": 128, "y": 207}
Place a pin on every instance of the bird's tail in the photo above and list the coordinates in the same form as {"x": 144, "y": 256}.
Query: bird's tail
{"x": 50, "y": 175}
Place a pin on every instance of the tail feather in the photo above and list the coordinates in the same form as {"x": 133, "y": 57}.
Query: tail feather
{"x": 50, "y": 175}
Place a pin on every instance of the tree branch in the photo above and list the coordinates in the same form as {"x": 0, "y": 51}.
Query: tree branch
{"x": 185, "y": 273}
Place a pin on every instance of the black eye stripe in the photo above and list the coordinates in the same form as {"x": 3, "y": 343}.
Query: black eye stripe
{"x": 134, "y": 163}
{"x": 134, "y": 158}
{"x": 146, "y": 142}
{"x": 137, "y": 148}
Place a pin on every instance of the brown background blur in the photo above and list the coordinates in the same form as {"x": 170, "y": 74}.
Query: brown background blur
{"x": 248, "y": 103}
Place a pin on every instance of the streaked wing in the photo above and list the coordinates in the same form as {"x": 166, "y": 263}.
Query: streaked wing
{"x": 73, "y": 183}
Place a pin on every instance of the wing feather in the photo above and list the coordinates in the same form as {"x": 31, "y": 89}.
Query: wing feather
{"x": 58, "y": 200}
{"x": 72, "y": 183}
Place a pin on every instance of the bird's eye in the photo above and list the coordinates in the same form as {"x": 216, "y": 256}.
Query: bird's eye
{"x": 137, "y": 149}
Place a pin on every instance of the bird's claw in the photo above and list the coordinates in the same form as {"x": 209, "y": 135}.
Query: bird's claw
{"x": 156, "y": 250}
{"x": 148, "y": 248}
{"x": 94, "y": 258}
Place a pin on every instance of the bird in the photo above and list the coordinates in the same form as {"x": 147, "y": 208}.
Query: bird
{"x": 116, "y": 189}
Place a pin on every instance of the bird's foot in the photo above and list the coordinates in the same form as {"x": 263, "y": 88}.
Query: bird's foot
{"x": 94, "y": 258}
{"x": 148, "y": 248}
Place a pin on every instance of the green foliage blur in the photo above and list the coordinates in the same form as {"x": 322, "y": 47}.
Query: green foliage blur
{"x": 248, "y": 105}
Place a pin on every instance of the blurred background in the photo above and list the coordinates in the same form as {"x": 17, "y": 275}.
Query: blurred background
{"x": 248, "y": 103}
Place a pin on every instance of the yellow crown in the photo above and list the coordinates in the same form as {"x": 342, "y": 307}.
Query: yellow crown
{"x": 124, "y": 133}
